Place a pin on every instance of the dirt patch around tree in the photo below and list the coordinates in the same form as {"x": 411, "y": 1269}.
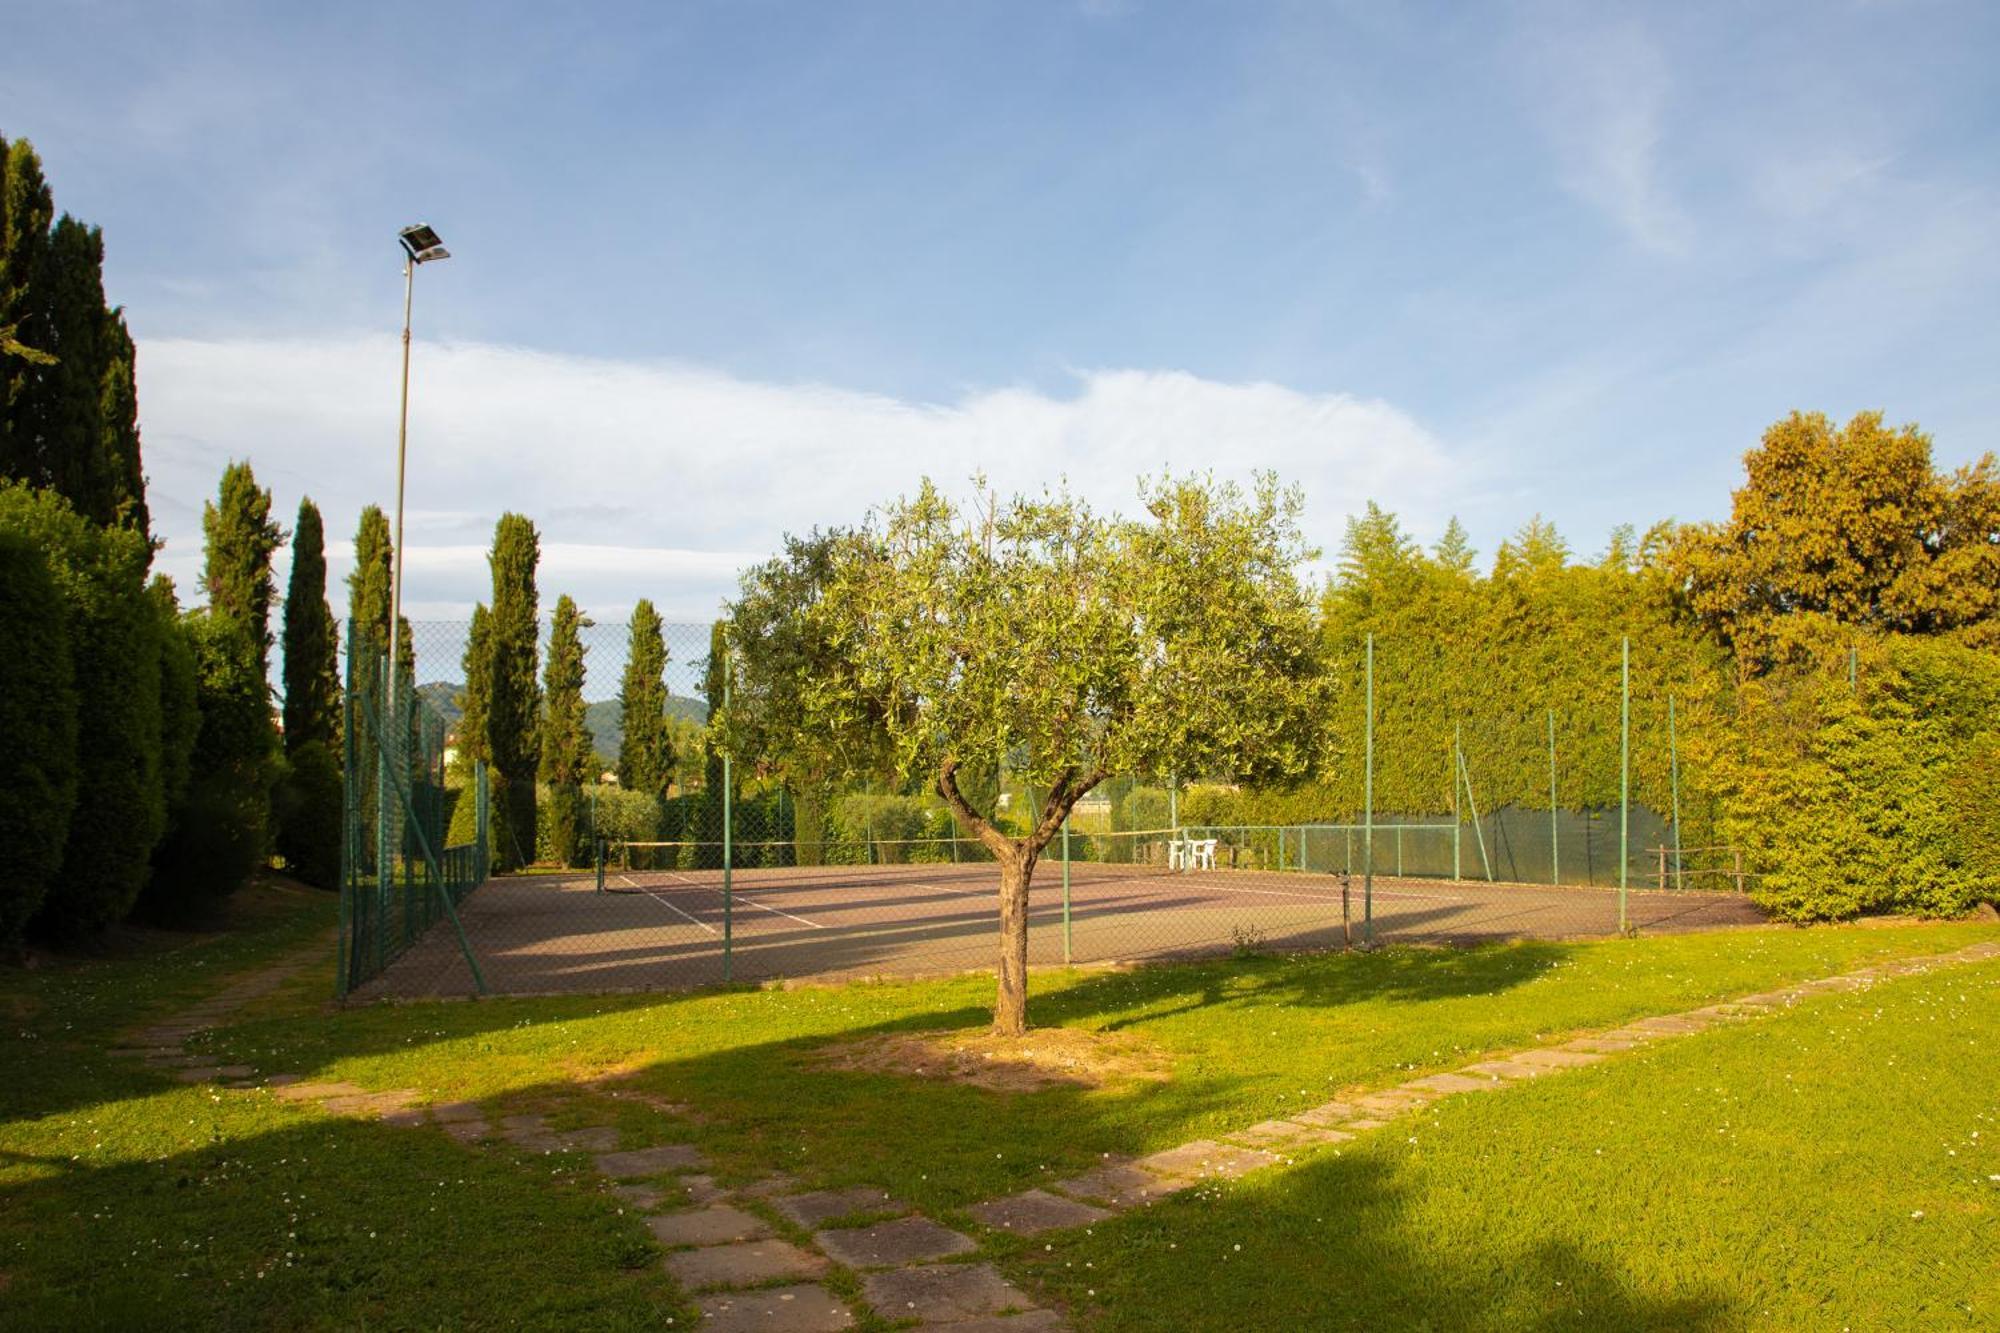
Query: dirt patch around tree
{"x": 1045, "y": 1058}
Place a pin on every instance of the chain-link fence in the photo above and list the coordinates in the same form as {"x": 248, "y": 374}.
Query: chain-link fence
{"x": 401, "y": 874}
{"x": 670, "y": 863}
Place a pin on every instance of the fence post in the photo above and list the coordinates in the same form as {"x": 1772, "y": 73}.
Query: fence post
{"x": 1674, "y": 771}
{"x": 1624, "y": 776}
{"x": 1662, "y": 849}
{"x": 1555, "y": 824}
{"x": 1739, "y": 868}
{"x": 1457, "y": 815}
{"x": 1065, "y": 856}
{"x": 1368, "y": 802}
{"x": 729, "y": 847}
{"x": 350, "y": 824}
{"x": 483, "y": 812}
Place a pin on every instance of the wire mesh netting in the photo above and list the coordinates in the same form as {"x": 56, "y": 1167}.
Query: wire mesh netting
{"x": 673, "y": 864}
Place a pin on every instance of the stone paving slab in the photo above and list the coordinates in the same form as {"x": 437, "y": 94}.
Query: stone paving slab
{"x": 1030, "y": 1321}
{"x": 943, "y": 1293}
{"x": 312, "y": 1092}
{"x": 1391, "y": 1103}
{"x": 1206, "y": 1158}
{"x": 1600, "y": 1045}
{"x": 746, "y": 1264}
{"x": 1362, "y": 1126}
{"x": 1560, "y": 1059}
{"x": 645, "y": 1198}
{"x": 283, "y": 1080}
{"x": 467, "y": 1132}
{"x": 1032, "y": 1212}
{"x": 198, "y": 1074}
{"x": 816, "y": 1209}
{"x": 1506, "y": 1067}
{"x": 908, "y": 1240}
{"x": 638, "y": 1162}
{"x": 803, "y": 1308}
{"x": 702, "y": 1189}
{"x": 1454, "y": 1083}
{"x": 593, "y": 1138}
{"x": 1121, "y": 1185}
{"x": 446, "y": 1112}
{"x": 1278, "y": 1135}
{"x": 1332, "y": 1113}
{"x": 236, "y": 1071}
{"x": 1672, "y": 1025}
{"x": 717, "y": 1224}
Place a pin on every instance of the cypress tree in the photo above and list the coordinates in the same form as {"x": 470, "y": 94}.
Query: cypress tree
{"x": 473, "y": 699}
{"x": 68, "y": 403}
{"x": 566, "y": 740}
{"x": 646, "y": 750}
{"x": 240, "y": 539}
{"x": 312, "y": 685}
{"x": 514, "y": 699}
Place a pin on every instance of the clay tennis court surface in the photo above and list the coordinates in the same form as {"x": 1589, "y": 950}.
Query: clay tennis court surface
{"x": 662, "y": 930}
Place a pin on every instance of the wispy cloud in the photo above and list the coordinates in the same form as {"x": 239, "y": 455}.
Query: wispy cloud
{"x": 663, "y": 480}
{"x": 1603, "y": 88}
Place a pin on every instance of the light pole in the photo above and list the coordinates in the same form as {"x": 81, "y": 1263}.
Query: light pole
{"x": 420, "y": 246}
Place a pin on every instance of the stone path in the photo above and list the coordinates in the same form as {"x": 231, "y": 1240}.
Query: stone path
{"x": 758, "y": 1257}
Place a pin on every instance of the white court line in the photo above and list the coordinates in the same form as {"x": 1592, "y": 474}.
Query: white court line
{"x": 739, "y": 894}
{"x": 664, "y": 903}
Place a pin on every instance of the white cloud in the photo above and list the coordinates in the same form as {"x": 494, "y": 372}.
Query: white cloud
{"x": 663, "y": 480}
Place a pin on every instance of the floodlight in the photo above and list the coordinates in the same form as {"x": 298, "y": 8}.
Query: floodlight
{"x": 421, "y": 243}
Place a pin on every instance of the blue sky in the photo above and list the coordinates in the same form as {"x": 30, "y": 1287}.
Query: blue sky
{"x": 725, "y": 270}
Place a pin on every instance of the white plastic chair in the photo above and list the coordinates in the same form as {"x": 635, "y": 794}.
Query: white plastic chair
{"x": 1202, "y": 853}
{"x": 1177, "y": 853}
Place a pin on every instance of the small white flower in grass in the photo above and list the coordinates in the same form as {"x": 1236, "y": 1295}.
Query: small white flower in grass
{"x": 1918, "y": 1214}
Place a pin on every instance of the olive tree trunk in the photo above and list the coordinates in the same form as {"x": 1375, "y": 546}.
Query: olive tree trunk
{"x": 1017, "y": 858}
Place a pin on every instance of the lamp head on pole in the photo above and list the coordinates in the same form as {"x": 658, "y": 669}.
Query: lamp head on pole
{"x": 421, "y": 243}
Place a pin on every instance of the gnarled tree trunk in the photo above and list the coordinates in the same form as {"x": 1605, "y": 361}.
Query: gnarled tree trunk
{"x": 1017, "y": 858}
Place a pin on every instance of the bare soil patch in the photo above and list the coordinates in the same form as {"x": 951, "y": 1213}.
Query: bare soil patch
{"x": 1045, "y": 1058}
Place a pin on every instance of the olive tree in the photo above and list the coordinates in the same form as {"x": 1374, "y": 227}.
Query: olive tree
{"x": 1080, "y": 646}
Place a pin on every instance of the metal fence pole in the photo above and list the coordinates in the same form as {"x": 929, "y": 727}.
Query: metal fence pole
{"x": 1624, "y": 777}
{"x": 728, "y": 845}
{"x": 1555, "y": 825}
{"x": 1066, "y": 924}
{"x": 1674, "y": 770}
{"x": 1459, "y": 815}
{"x": 350, "y": 819}
{"x": 1368, "y": 800}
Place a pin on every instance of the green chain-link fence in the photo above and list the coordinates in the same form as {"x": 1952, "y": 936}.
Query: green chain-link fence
{"x": 698, "y": 866}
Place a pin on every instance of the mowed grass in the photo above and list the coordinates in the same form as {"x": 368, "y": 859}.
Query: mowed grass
{"x": 1835, "y": 1167}
{"x": 130, "y": 1201}
{"x": 1248, "y": 1039}
{"x": 127, "y": 1199}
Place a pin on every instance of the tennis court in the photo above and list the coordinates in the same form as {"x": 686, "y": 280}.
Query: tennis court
{"x": 672, "y": 929}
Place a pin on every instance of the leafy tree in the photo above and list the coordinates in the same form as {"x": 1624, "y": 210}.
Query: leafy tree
{"x": 221, "y": 828}
{"x": 645, "y": 748}
{"x": 311, "y": 647}
{"x": 68, "y": 407}
{"x": 115, "y": 650}
{"x": 1073, "y": 647}
{"x": 239, "y": 539}
{"x": 514, "y": 701}
{"x": 38, "y": 707}
{"x": 1852, "y": 526}
{"x": 780, "y": 649}
{"x": 566, "y": 743}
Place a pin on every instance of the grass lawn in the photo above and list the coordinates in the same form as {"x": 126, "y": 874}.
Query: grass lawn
{"x": 1832, "y": 1168}
{"x": 126, "y": 1198}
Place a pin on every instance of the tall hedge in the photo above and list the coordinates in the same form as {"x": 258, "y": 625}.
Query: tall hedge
{"x": 115, "y": 648}
{"x": 221, "y": 827}
{"x": 38, "y": 717}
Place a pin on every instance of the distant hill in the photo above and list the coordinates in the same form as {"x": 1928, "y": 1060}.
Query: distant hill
{"x": 601, "y": 717}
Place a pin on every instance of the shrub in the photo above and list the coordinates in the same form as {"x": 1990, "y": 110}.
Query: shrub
{"x": 114, "y": 638}
{"x": 220, "y": 830}
{"x": 38, "y": 718}
{"x": 308, "y": 810}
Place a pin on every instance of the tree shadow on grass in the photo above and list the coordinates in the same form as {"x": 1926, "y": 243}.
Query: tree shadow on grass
{"x": 1339, "y": 1242}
